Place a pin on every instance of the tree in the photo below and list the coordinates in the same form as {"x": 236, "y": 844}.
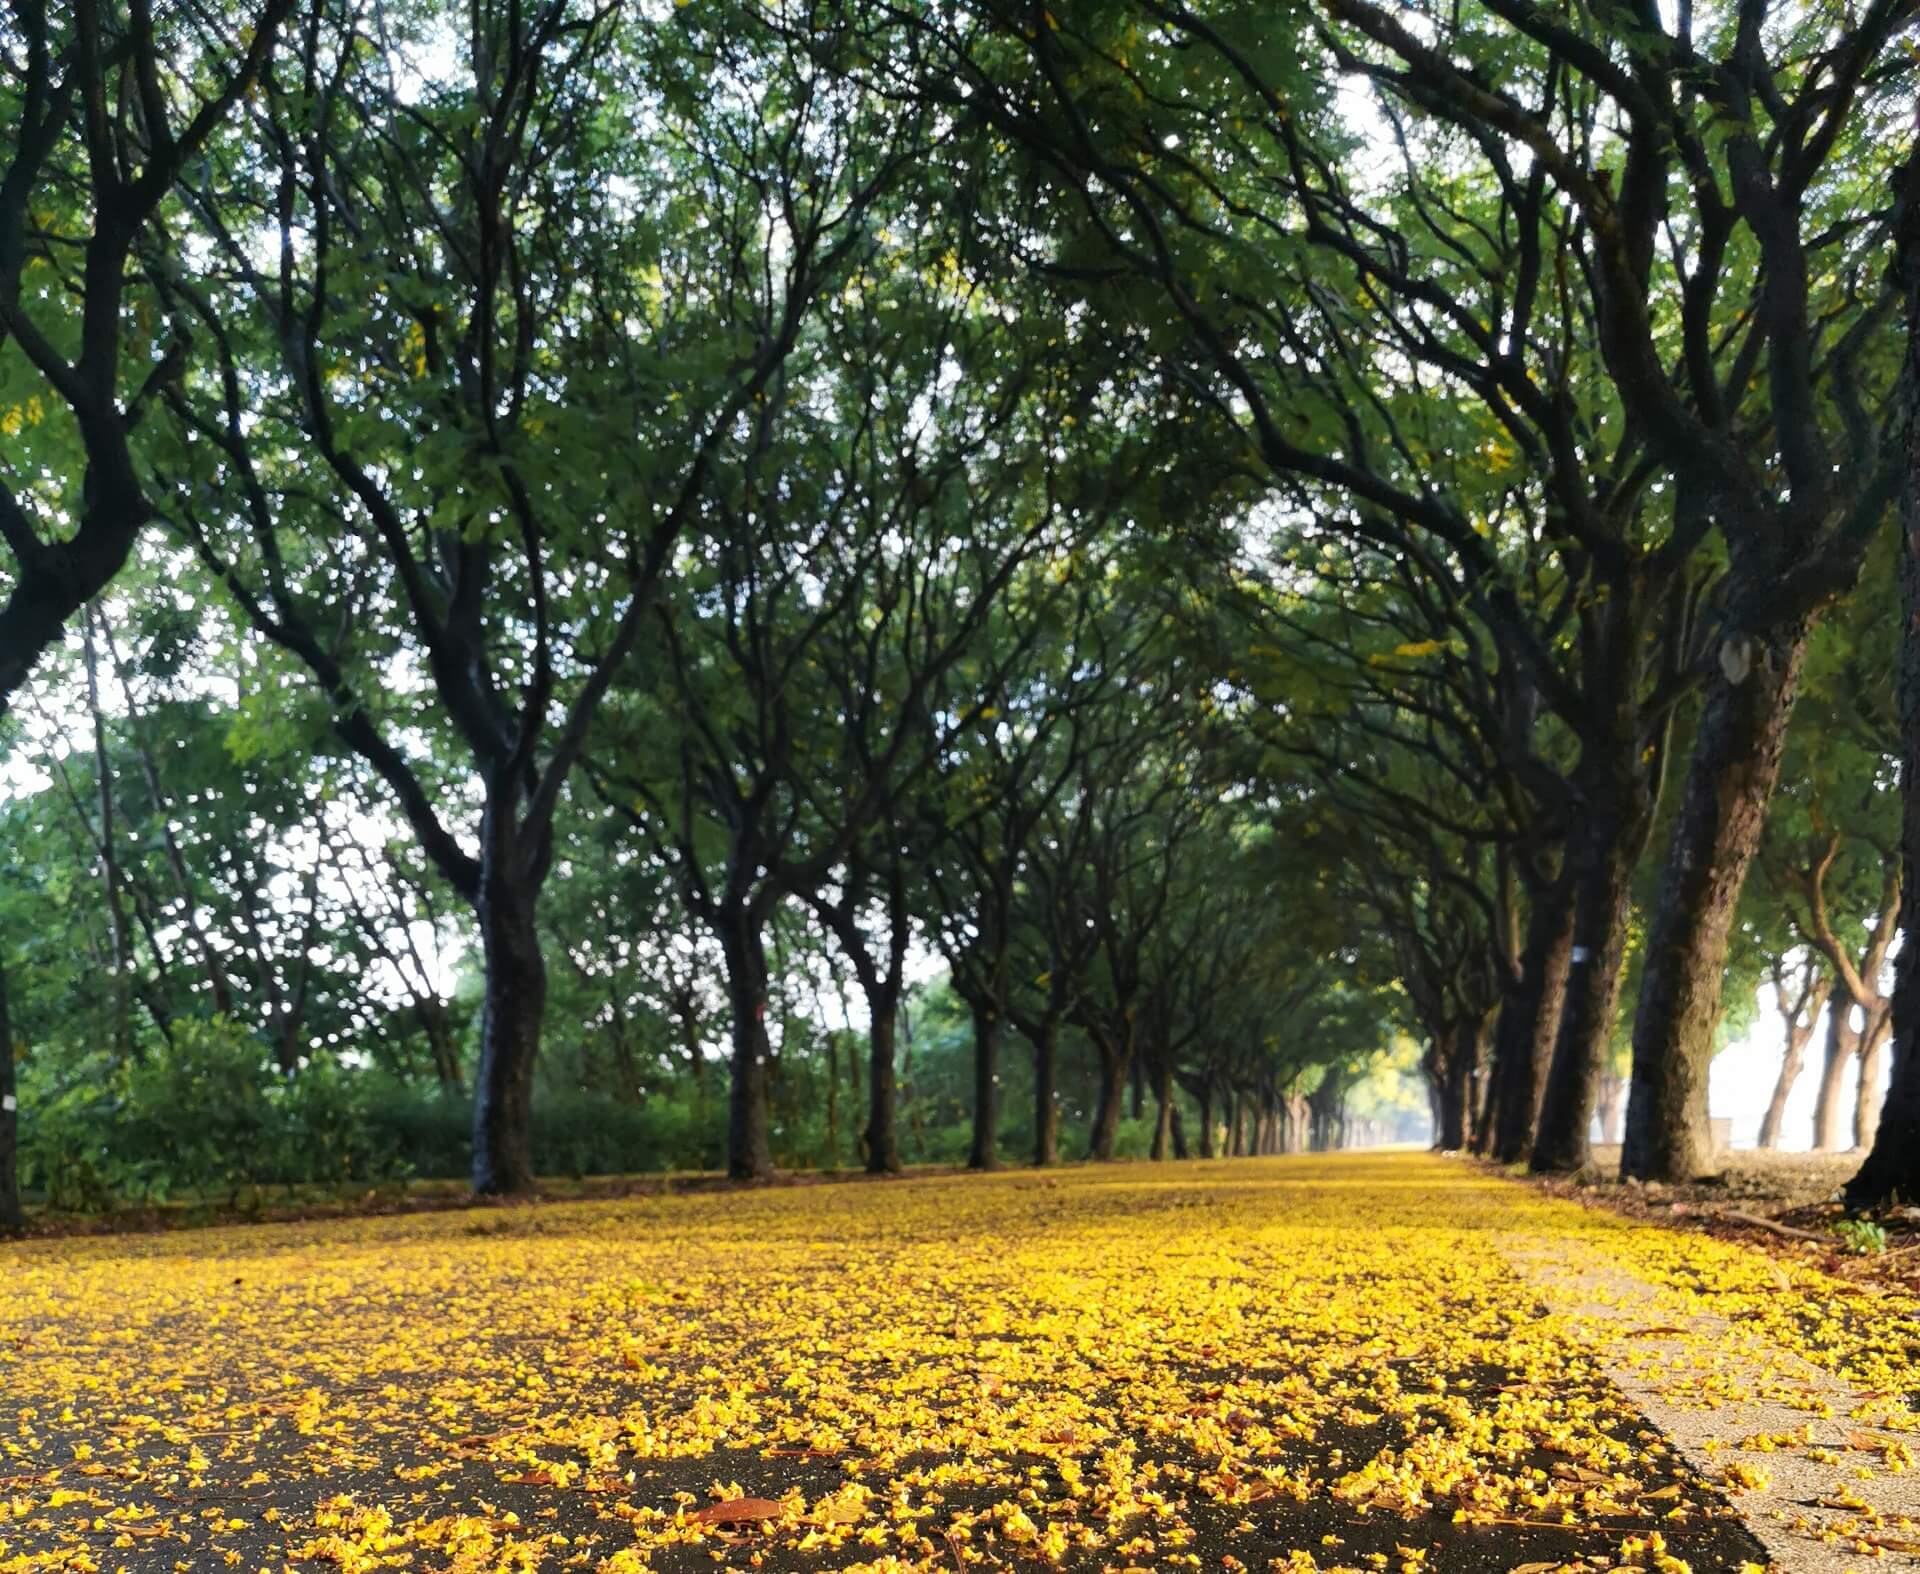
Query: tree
{"x": 1053, "y": 937}
{"x": 1005, "y": 882}
{"x": 11, "y": 1216}
{"x": 900, "y": 496}
{"x": 1828, "y": 874}
{"x": 1801, "y": 991}
{"x": 1148, "y": 802}
{"x": 1436, "y": 914}
{"x": 1696, "y": 217}
{"x": 82, "y": 194}
{"x": 1412, "y": 722}
{"x": 385, "y": 476}
{"x": 109, "y": 107}
{"x": 1892, "y": 1167}
{"x": 1855, "y": 986}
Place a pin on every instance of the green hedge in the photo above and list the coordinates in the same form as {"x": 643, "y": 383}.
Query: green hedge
{"x": 212, "y": 1117}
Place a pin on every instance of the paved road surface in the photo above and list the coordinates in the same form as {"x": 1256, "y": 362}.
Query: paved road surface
{"x": 1355, "y": 1362}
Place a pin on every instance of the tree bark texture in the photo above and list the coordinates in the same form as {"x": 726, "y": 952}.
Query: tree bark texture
{"x": 1730, "y": 778}
{"x": 1529, "y": 1022}
{"x": 883, "y": 1090}
{"x": 512, "y": 1009}
{"x": 749, "y": 1149}
{"x": 1601, "y": 857}
{"x": 1892, "y": 1168}
{"x": 1046, "y": 1104}
{"x": 10, "y": 1210}
{"x": 1842, "y": 1045}
{"x": 985, "y": 1154}
{"x": 1799, "y": 1033}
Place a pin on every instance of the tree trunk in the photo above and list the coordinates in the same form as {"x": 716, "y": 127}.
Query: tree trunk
{"x": 854, "y": 1086}
{"x": 1609, "y": 1104}
{"x": 1866, "y": 1106}
{"x": 1106, "y": 1112}
{"x": 1790, "y": 1064}
{"x": 1163, "y": 1107}
{"x": 10, "y": 1211}
{"x": 986, "y": 1090}
{"x": 108, "y": 840}
{"x": 1892, "y": 1168}
{"x": 1439, "y": 1098}
{"x": 1046, "y": 1106}
{"x": 1178, "y": 1126}
{"x": 1324, "y": 1107}
{"x": 1139, "y": 1086}
{"x": 1843, "y": 1043}
{"x": 446, "y": 1054}
{"x": 1736, "y": 760}
{"x": 512, "y": 1008}
{"x": 833, "y": 1098}
{"x": 1206, "y": 1117}
{"x": 1529, "y": 1022}
{"x": 1236, "y": 1137}
{"x": 1791, "y": 1060}
{"x": 1601, "y": 857}
{"x": 749, "y": 1151}
{"x": 1113, "y": 1090}
{"x": 1486, "y": 1116}
{"x": 883, "y": 1092}
{"x": 625, "y": 1074}
{"x": 1456, "y": 1092}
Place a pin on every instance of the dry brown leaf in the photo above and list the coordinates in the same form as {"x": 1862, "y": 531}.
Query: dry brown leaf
{"x": 739, "y": 1511}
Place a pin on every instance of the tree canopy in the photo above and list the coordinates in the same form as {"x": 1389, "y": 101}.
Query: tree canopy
{"x": 591, "y": 586}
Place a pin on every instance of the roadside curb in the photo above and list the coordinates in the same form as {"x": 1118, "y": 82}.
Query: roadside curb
{"x": 1794, "y": 1448}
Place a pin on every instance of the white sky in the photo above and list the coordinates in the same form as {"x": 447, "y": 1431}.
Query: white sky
{"x": 1745, "y": 1072}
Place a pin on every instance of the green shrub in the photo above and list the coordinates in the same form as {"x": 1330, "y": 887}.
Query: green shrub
{"x": 212, "y": 1117}
{"x": 1862, "y": 1237}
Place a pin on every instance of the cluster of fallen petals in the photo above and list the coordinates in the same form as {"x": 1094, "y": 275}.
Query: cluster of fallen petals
{"x": 1316, "y": 1364}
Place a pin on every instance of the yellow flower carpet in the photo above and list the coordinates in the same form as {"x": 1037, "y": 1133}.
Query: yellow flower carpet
{"x": 1320, "y": 1363}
